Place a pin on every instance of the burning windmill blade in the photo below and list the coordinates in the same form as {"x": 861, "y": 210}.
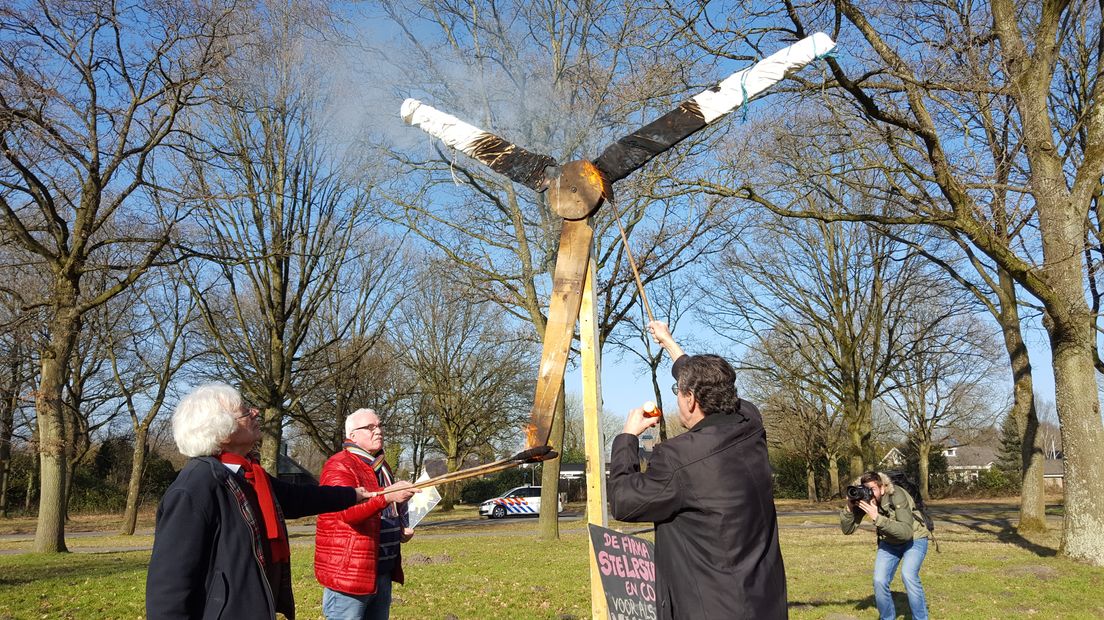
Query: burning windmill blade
{"x": 636, "y": 149}
{"x": 505, "y": 158}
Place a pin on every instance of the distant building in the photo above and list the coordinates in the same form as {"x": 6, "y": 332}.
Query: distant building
{"x": 572, "y": 471}
{"x": 289, "y": 470}
{"x": 1054, "y": 474}
{"x": 964, "y": 463}
{"x": 892, "y": 460}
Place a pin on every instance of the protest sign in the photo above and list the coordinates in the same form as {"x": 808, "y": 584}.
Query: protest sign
{"x": 627, "y": 566}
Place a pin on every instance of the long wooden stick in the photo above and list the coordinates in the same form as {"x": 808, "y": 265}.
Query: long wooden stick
{"x": 464, "y": 474}
{"x": 632, "y": 263}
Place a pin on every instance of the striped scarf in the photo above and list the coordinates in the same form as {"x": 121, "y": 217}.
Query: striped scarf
{"x": 384, "y": 476}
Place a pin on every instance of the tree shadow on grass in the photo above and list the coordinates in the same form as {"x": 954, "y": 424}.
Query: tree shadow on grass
{"x": 65, "y": 566}
{"x": 900, "y": 602}
{"x": 1000, "y": 527}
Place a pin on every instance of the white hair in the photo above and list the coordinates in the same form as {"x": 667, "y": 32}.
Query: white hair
{"x": 350, "y": 424}
{"x": 205, "y": 418}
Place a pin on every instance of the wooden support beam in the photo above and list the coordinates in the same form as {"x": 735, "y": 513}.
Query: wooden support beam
{"x": 594, "y": 442}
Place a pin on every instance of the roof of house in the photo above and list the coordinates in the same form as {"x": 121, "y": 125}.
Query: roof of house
{"x": 972, "y": 456}
{"x": 1054, "y": 468}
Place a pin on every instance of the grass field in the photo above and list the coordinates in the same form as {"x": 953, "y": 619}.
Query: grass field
{"x": 501, "y": 571}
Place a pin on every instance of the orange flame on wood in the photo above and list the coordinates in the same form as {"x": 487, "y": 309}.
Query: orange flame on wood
{"x": 594, "y": 177}
{"x": 531, "y": 439}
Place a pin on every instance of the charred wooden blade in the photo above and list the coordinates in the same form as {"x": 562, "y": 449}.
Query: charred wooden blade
{"x": 563, "y": 310}
{"x": 507, "y": 159}
{"x": 636, "y": 149}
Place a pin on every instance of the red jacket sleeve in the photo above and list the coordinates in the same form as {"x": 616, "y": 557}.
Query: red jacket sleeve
{"x": 337, "y": 473}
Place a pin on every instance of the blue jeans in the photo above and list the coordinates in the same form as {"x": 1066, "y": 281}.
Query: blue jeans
{"x": 910, "y": 556}
{"x": 340, "y": 606}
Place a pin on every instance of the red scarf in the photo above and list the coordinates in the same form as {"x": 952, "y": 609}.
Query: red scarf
{"x": 256, "y": 475}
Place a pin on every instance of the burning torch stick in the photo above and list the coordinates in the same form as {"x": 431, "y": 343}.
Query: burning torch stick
{"x": 532, "y": 455}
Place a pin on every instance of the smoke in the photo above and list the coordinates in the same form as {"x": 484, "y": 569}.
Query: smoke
{"x": 374, "y": 65}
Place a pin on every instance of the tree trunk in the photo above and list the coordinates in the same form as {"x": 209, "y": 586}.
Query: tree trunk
{"x": 659, "y": 403}
{"x": 833, "y": 476}
{"x": 53, "y": 453}
{"x": 137, "y": 465}
{"x": 29, "y": 495}
{"x": 7, "y": 422}
{"x": 1032, "y": 458}
{"x": 860, "y": 427}
{"x": 271, "y": 433}
{"x": 450, "y": 491}
{"x": 923, "y": 450}
{"x": 810, "y": 481}
{"x": 1082, "y": 439}
{"x": 550, "y": 477}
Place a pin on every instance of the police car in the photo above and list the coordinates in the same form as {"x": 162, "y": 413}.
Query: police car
{"x": 519, "y": 501}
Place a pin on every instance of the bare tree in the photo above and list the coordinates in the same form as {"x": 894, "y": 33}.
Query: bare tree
{"x": 672, "y": 298}
{"x": 902, "y": 115}
{"x": 156, "y": 339}
{"x": 996, "y": 291}
{"x": 801, "y": 416}
{"x": 89, "y": 93}
{"x": 471, "y": 372}
{"x": 283, "y": 213}
{"x": 17, "y": 375}
{"x": 945, "y": 383}
{"x": 835, "y": 296}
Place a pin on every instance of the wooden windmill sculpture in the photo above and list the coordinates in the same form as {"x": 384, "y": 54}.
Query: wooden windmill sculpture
{"x": 576, "y": 190}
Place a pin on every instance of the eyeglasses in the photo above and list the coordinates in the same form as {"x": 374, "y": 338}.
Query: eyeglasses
{"x": 370, "y": 428}
{"x": 674, "y": 388}
{"x": 248, "y": 411}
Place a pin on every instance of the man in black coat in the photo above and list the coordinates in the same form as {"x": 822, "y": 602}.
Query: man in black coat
{"x": 709, "y": 493}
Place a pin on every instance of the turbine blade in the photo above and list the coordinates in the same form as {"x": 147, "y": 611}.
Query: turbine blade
{"x": 509, "y": 160}
{"x": 638, "y": 148}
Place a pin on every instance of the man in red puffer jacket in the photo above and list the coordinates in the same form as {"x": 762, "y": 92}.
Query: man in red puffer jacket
{"x": 356, "y": 554}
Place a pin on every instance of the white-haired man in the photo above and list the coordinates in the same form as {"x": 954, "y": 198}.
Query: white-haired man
{"x": 356, "y": 553}
{"x": 220, "y": 547}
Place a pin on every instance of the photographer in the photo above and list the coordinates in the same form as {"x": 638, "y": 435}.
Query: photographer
{"x": 902, "y": 539}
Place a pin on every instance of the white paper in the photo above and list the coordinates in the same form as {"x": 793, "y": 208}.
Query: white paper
{"x": 420, "y": 504}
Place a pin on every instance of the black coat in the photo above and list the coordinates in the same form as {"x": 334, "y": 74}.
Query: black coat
{"x": 204, "y": 563}
{"x": 716, "y": 535}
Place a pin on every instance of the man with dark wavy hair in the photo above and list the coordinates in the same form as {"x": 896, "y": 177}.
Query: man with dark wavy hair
{"x": 709, "y": 493}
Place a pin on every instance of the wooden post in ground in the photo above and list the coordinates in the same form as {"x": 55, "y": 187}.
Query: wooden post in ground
{"x": 592, "y": 431}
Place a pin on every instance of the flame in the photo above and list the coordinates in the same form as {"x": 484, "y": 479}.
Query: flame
{"x": 594, "y": 176}
{"x": 531, "y": 440}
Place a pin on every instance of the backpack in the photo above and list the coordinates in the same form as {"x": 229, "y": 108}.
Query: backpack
{"x": 900, "y": 480}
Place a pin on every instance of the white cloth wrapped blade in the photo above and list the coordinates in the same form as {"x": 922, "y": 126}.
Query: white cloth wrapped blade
{"x": 501, "y": 156}
{"x": 744, "y": 85}
{"x": 634, "y": 150}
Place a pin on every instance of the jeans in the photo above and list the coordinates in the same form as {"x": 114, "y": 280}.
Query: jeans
{"x": 910, "y": 556}
{"x": 340, "y": 606}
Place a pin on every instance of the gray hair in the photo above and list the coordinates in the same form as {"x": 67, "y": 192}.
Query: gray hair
{"x": 205, "y": 418}
{"x": 350, "y": 425}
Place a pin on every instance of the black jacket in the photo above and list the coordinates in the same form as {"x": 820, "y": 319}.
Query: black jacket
{"x": 204, "y": 563}
{"x": 716, "y": 535}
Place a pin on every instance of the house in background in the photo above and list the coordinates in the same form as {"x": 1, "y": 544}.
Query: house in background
{"x": 964, "y": 463}
{"x": 894, "y": 459}
{"x": 1054, "y": 474}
